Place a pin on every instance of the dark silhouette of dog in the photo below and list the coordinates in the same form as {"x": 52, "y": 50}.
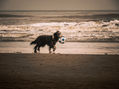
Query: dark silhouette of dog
{"x": 49, "y": 40}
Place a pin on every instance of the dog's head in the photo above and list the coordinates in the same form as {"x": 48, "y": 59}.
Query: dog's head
{"x": 57, "y": 34}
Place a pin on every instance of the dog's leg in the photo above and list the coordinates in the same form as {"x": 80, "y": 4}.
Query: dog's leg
{"x": 54, "y": 48}
{"x": 35, "y": 49}
{"x": 39, "y": 48}
{"x": 50, "y": 50}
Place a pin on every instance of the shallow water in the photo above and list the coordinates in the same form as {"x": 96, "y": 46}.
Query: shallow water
{"x": 67, "y": 48}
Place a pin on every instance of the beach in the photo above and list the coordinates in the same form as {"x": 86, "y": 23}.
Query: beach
{"x": 99, "y": 48}
{"x": 89, "y": 58}
{"x": 58, "y": 71}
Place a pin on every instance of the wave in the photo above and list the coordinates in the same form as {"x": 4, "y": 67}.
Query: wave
{"x": 73, "y": 31}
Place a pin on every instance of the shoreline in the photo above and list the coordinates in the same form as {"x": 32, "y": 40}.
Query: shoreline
{"x": 105, "y": 48}
{"x": 65, "y": 42}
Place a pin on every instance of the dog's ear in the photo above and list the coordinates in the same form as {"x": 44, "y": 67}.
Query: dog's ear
{"x": 57, "y": 31}
{"x": 54, "y": 35}
{"x": 57, "y": 34}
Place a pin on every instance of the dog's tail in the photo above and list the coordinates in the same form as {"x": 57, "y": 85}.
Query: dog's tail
{"x": 33, "y": 42}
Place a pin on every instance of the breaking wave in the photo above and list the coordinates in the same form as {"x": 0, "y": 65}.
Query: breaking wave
{"x": 73, "y": 31}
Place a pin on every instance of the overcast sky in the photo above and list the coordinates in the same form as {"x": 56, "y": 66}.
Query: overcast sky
{"x": 59, "y": 4}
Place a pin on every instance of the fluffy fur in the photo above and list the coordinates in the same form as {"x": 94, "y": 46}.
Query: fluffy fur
{"x": 49, "y": 40}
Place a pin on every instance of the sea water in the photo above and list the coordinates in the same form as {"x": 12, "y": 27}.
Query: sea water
{"x": 74, "y": 25}
{"x": 87, "y": 32}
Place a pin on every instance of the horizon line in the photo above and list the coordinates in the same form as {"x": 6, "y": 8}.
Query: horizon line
{"x": 60, "y": 10}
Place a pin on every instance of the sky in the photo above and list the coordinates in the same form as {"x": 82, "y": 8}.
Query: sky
{"x": 59, "y": 4}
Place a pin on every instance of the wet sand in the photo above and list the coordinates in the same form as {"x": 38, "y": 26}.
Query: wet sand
{"x": 66, "y": 48}
{"x": 58, "y": 71}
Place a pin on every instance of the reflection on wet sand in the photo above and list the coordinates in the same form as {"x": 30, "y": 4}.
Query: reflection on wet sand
{"x": 67, "y": 48}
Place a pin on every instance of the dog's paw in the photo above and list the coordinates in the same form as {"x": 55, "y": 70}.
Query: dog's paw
{"x": 54, "y": 53}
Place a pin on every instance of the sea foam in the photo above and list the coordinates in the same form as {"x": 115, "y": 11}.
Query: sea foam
{"x": 73, "y": 31}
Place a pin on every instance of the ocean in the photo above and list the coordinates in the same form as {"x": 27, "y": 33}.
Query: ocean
{"x": 76, "y": 26}
{"x": 86, "y": 32}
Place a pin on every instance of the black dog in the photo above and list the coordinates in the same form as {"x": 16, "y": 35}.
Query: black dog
{"x": 49, "y": 40}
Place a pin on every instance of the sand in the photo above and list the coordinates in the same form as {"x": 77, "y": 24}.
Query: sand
{"x": 58, "y": 71}
{"x": 66, "y": 48}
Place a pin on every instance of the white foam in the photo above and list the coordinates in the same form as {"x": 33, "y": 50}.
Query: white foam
{"x": 53, "y": 24}
{"x": 81, "y": 30}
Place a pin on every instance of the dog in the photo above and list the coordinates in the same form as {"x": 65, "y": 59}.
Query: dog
{"x": 49, "y": 40}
